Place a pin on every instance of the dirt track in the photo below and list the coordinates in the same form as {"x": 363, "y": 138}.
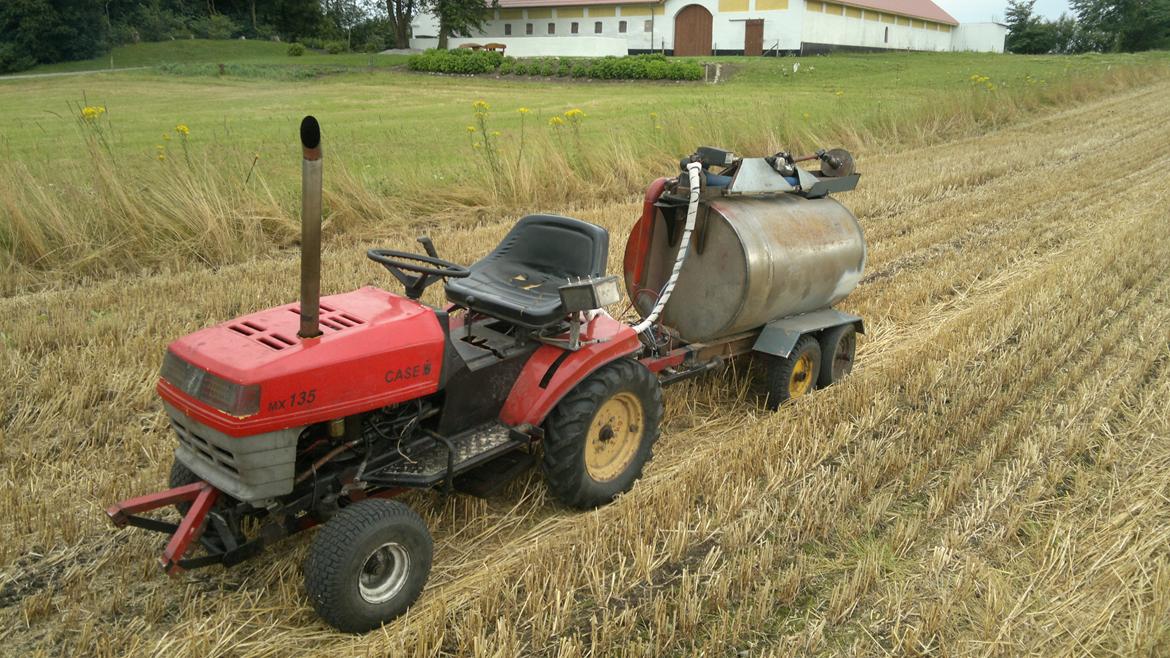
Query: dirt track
{"x": 990, "y": 481}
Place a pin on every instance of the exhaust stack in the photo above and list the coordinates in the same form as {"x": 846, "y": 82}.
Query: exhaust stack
{"x": 310, "y": 228}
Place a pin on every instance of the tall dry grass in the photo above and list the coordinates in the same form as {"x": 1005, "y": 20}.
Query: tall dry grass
{"x": 62, "y": 220}
{"x": 990, "y": 481}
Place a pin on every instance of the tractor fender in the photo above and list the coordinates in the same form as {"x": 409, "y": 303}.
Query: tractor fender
{"x": 551, "y": 372}
{"x": 778, "y": 337}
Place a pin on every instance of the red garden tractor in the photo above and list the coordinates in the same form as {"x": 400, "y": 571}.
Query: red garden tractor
{"x": 318, "y": 412}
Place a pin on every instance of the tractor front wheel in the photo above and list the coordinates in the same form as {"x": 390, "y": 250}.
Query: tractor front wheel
{"x": 601, "y": 434}
{"x": 181, "y": 476}
{"x": 368, "y": 564}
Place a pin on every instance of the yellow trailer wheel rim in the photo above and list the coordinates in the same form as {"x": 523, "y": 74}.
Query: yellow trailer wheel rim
{"x": 614, "y": 437}
{"x": 802, "y": 375}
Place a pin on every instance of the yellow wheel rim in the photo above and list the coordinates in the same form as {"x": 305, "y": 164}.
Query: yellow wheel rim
{"x": 614, "y": 437}
{"x": 802, "y": 375}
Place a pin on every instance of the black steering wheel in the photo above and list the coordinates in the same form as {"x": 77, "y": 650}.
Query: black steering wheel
{"x": 425, "y": 270}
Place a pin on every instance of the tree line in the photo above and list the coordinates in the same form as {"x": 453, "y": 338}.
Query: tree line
{"x": 44, "y": 31}
{"x": 1095, "y": 26}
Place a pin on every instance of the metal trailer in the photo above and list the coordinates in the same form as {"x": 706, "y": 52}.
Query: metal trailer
{"x": 771, "y": 253}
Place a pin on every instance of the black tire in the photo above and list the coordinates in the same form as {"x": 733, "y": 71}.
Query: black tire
{"x": 838, "y": 348}
{"x": 570, "y": 432}
{"x": 795, "y": 375}
{"x": 181, "y": 475}
{"x": 369, "y": 534}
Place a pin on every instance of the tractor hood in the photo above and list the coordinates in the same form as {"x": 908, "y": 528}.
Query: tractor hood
{"x": 253, "y": 374}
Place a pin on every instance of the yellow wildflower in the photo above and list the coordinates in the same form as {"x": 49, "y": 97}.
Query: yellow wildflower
{"x": 574, "y": 114}
{"x": 470, "y": 129}
{"x": 92, "y": 112}
{"x": 523, "y": 110}
{"x": 481, "y": 106}
{"x": 556, "y": 122}
{"x": 495, "y": 133}
{"x": 161, "y": 157}
{"x": 182, "y": 129}
{"x": 654, "y": 115}
{"x": 839, "y": 93}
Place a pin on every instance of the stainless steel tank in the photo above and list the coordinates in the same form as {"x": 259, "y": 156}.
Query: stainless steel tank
{"x": 751, "y": 260}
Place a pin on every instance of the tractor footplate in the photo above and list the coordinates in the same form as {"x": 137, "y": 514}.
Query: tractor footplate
{"x": 458, "y": 453}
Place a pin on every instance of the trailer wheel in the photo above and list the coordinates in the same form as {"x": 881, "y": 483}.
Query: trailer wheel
{"x": 368, "y": 564}
{"x": 838, "y": 347}
{"x": 601, "y": 434}
{"x": 794, "y": 376}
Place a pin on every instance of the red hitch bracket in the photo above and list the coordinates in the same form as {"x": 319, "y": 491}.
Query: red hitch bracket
{"x": 187, "y": 532}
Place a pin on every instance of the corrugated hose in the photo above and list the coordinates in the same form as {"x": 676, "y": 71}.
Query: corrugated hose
{"x": 694, "y": 170}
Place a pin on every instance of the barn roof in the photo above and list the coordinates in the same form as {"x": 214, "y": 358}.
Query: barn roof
{"x": 922, "y": 9}
{"x": 572, "y": 3}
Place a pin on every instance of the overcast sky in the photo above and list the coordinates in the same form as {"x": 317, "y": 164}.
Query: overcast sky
{"x": 975, "y": 11}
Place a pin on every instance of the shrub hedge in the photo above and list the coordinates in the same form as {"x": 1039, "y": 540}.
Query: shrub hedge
{"x": 635, "y": 67}
{"x": 456, "y": 61}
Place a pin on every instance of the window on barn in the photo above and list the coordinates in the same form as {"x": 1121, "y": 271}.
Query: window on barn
{"x": 573, "y": 27}
{"x": 648, "y": 26}
{"x": 528, "y": 28}
{"x": 552, "y": 28}
{"x": 597, "y": 27}
{"x": 622, "y": 27}
{"x": 507, "y": 29}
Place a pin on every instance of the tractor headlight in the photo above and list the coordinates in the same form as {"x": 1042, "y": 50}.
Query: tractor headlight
{"x": 588, "y": 294}
{"x": 229, "y": 397}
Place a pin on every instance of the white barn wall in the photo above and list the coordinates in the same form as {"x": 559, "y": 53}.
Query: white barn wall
{"x": 785, "y": 29}
{"x": 867, "y": 32}
{"x": 980, "y": 37}
{"x": 782, "y": 27}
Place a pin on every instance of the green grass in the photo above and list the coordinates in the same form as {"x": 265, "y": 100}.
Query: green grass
{"x": 204, "y": 51}
{"x": 398, "y": 122}
{"x": 398, "y": 149}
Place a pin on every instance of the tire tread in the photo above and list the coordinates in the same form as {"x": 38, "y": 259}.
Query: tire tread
{"x": 563, "y": 462}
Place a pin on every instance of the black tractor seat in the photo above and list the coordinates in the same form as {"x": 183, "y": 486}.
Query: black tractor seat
{"x": 518, "y": 281}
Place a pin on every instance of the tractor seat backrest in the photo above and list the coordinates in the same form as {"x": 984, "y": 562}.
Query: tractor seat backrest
{"x": 562, "y": 246}
{"x": 519, "y": 280}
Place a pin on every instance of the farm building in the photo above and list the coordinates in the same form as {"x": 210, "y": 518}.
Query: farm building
{"x": 721, "y": 27}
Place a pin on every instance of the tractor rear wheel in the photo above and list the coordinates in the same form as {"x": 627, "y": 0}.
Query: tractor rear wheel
{"x": 794, "y": 376}
{"x": 838, "y": 348}
{"x": 368, "y": 564}
{"x": 601, "y": 434}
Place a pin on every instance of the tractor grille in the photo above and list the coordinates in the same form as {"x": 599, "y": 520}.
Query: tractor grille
{"x": 204, "y": 448}
{"x": 248, "y": 468}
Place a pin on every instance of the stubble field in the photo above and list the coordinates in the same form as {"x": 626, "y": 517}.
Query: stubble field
{"x": 991, "y": 480}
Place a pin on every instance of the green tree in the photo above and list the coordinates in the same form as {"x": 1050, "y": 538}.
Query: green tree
{"x": 41, "y": 31}
{"x": 401, "y": 13}
{"x": 1129, "y": 25}
{"x": 460, "y": 17}
{"x": 1028, "y": 33}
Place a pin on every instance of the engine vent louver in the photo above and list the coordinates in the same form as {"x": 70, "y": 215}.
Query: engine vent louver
{"x": 332, "y": 319}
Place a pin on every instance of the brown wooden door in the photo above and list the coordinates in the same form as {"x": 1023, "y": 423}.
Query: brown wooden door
{"x": 753, "y": 38}
{"x": 692, "y": 32}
